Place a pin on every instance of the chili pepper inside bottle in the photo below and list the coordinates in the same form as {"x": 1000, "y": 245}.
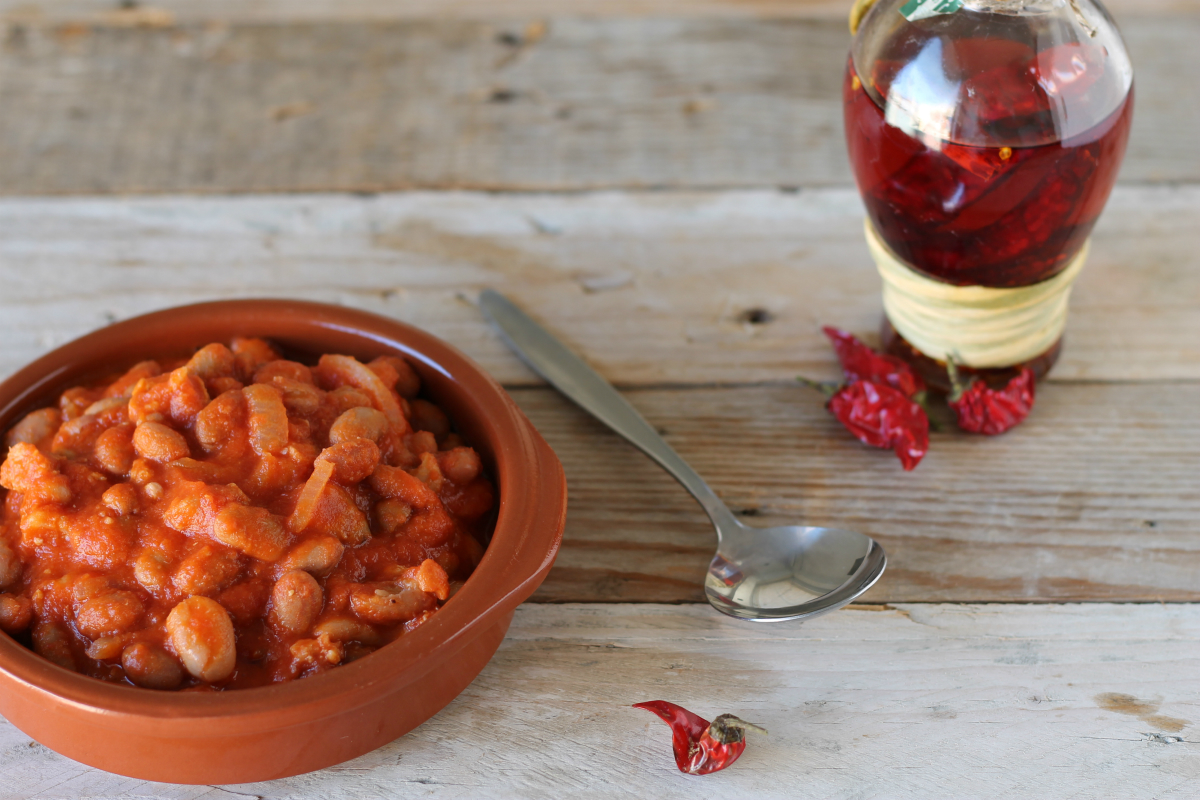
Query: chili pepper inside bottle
{"x": 985, "y": 137}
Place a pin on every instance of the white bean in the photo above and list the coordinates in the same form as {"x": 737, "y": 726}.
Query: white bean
{"x": 317, "y": 556}
{"x": 296, "y": 601}
{"x": 358, "y": 423}
{"x": 35, "y": 427}
{"x": 202, "y": 636}
{"x": 157, "y": 442}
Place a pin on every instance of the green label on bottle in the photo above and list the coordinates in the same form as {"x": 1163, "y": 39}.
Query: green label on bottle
{"x": 914, "y": 10}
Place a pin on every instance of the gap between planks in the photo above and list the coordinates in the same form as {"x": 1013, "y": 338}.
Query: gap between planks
{"x": 1093, "y": 498}
{"x": 1054, "y": 701}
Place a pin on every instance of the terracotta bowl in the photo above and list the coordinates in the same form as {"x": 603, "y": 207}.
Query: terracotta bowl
{"x": 273, "y": 732}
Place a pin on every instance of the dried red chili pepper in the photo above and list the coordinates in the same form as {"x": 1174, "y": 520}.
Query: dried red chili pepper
{"x": 990, "y": 411}
{"x": 702, "y": 747}
{"x": 861, "y": 363}
{"x": 883, "y": 417}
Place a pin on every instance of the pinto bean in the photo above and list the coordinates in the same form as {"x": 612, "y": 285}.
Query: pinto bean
{"x": 178, "y": 396}
{"x": 72, "y": 402}
{"x": 347, "y": 629}
{"x": 358, "y": 423}
{"x": 353, "y": 460}
{"x": 121, "y": 499}
{"x": 16, "y": 612}
{"x": 268, "y": 419}
{"x": 109, "y": 614}
{"x": 292, "y": 370}
{"x": 429, "y": 472}
{"x": 406, "y": 381}
{"x": 298, "y": 397}
{"x": 219, "y": 386}
{"x": 201, "y": 634}
{"x": 390, "y": 514}
{"x": 114, "y": 451}
{"x": 334, "y": 370}
{"x": 345, "y": 398}
{"x": 296, "y": 601}
{"x": 250, "y": 354}
{"x": 52, "y": 642}
{"x": 151, "y": 667}
{"x": 189, "y": 395}
{"x": 10, "y": 566}
{"x": 338, "y": 515}
{"x": 428, "y": 417}
{"x": 109, "y": 410}
{"x": 395, "y": 483}
{"x": 151, "y": 569}
{"x": 421, "y": 442}
{"x": 106, "y": 648}
{"x": 460, "y": 465}
{"x": 221, "y": 420}
{"x": 157, "y": 442}
{"x": 318, "y": 556}
{"x": 251, "y": 530}
{"x": 212, "y": 361}
{"x": 206, "y": 570}
{"x": 388, "y": 604}
{"x": 123, "y": 386}
{"x": 36, "y": 427}
{"x": 247, "y": 601}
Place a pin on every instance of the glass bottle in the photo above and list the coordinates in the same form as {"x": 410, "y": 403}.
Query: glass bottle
{"x": 985, "y": 140}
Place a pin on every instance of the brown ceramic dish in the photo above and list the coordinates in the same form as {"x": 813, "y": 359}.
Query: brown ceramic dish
{"x": 259, "y": 734}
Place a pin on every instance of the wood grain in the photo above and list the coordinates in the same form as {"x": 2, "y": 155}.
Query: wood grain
{"x": 916, "y": 701}
{"x": 1093, "y": 498}
{"x": 653, "y": 288}
{"x": 526, "y": 104}
{"x": 172, "y": 12}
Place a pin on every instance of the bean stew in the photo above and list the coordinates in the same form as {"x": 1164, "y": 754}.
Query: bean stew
{"x": 235, "y": 519}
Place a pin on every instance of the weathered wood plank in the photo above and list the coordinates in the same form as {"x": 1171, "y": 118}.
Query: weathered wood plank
{"x": 1093, "y": 498}
{"x": 574, "y": 103}
{"x": 168, "y": 12}
{"x": 652, "y": 288}
{"x": 918, "y": 701}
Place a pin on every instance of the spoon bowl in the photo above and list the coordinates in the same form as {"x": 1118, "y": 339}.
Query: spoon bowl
{"x": 791, "y": 572}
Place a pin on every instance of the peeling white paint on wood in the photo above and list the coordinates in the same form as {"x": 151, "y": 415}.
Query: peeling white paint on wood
{"x": 920, "y": 701}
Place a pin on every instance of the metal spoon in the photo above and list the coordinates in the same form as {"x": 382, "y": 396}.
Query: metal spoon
{"x": 760, "y": 574}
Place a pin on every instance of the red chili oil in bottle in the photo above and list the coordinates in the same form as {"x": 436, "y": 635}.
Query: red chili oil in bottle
{"x": 985, "y": 142}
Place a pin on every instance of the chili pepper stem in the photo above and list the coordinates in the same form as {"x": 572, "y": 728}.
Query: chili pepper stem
{"x": 727, "y": 728}
{"x": 827, "y": 388}
{"x": 957, "y": 387}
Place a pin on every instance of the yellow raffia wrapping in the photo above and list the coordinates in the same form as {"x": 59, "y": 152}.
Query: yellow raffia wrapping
{"x": 977, "y": 325}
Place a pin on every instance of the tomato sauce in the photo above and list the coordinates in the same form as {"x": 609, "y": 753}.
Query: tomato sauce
{"x": 235, "y": 519}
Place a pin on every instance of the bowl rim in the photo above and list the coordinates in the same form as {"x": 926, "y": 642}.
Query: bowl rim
{"x": 514, "y": 563}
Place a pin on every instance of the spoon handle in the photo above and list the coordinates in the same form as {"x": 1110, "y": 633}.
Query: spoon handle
{"x": 565, "y": 371}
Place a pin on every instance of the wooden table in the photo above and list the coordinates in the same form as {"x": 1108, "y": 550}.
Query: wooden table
{"x": 663, "y": 183}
